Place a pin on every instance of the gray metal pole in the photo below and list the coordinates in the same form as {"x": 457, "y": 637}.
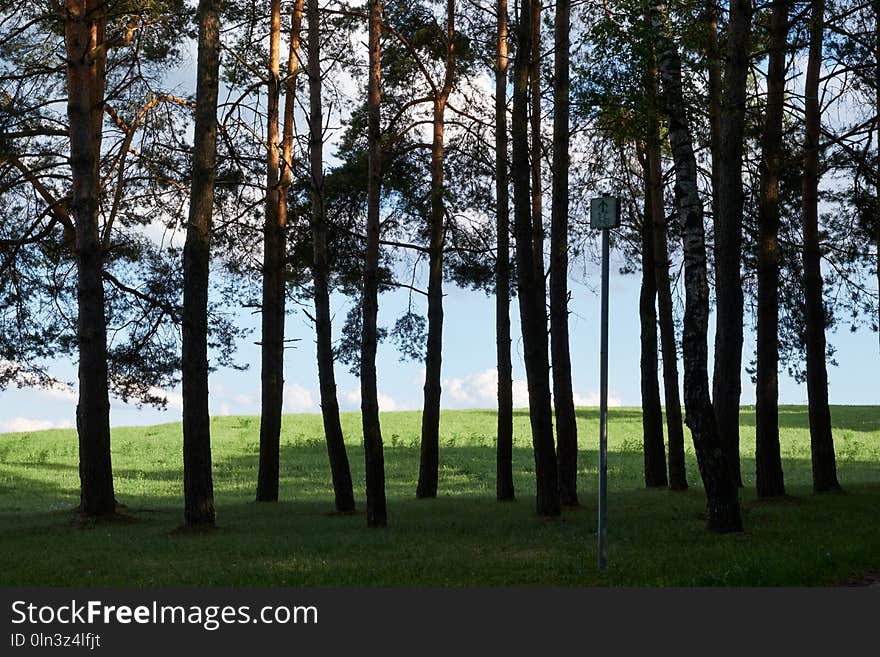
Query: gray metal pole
{"x": 603, "y": 411}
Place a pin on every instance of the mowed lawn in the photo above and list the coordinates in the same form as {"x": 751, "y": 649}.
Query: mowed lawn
{"x": 463, "y": 538}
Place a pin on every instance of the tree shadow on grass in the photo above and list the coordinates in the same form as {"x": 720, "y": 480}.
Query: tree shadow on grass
{"x": 464, "y": 537}
{"x": 614, "y": 414}
{"x": 656, "y": 538}
{"x": 305, "y": 474}
{"x": 588, "y": 413}
{"x": 847, "y": 418}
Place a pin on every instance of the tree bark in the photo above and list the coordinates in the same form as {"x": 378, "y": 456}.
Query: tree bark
{"x": 821, "y": 440}
{"x": 652, "y": 415}
{"x": 338, "y": 456}
{"x": 84, "y": 33}
{"x": 659, "y": 242}
{"x": 532, "y": 306}
{"x": 373, "y": 452}
{"x": 563, "y": 395}
{"x": 504, "y": 446}
{"x": 197, "y": 479}
{"x": 669, "y": 350}
{"x": 429, "y": 460}
{"x": 727, "y": 384}
{"x": 536, "y": 150}
{"x": 274, "y": 250}
{"x": 429, "y": 457}
{"x": 722, "y": 499}
{"x": 714, "y": 71}
{"x": 877, "y": 175}
{"x": 768, "y": 460}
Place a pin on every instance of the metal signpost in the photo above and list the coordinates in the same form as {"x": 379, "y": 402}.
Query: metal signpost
{"x": 604, "y": 215}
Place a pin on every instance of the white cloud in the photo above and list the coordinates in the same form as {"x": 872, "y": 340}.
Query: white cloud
{"x": 174, "y": 399}
{"x": 352, "y": 400}
{"x": 58, "y": 390}
{"x": 352, "y": 396}
{"x": 520, "y": 393}
{"x": 298, "y": 399}
{"x": 51, "y": 388}
{"x": 244, "y": 400}
{"x": 21, "y": 424}
{"x": 480, "y": 390}
{"x": 456, "y": 389}
{"x": 592, "y": 399}
{"x": 17, "y": 372}
{"x": 388, "y": 403}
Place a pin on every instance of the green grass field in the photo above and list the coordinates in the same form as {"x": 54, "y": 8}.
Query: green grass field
{"x": 463, "y": 538}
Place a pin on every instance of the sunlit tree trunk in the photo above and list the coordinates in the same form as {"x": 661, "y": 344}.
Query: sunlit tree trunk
{"x": 274, "y": 250}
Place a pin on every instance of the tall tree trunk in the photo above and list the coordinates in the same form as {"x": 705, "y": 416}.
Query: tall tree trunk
{"x": 722, "y": 497}
{"x": 563, "y": 395}
{"x": 536, "y": 150}
{"x": 197, "y": 479}
{"x": 727, "y": 385}
{"x": 714, "y": 70}
{"x": 821, "y": 440}
{"x": 504, "y": 446}
{"x": 84, "y": 34}
{"x": 877, "y": 175}
{"x": 768, "y": 461}
{"x": 274, "y": 250}
{"x": 532, "y": 306}
{"x": 373, "y": 452}
{"x": 652, "y": 415}
{"x": 669, "y": 350}
{"x": 674, "y": 424}
{"x": 339, "y": 467}
{"x": 430, "y": 458}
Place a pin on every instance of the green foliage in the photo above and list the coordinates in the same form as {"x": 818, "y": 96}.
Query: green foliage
{"x": 410, "y": 336}
{"x": 610, "y": 81}
{"x": 348, "y": 349}
{"x": 144, "y": 185}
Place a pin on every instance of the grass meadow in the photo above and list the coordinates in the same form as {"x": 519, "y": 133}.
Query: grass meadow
{"x": 463, "y": 538}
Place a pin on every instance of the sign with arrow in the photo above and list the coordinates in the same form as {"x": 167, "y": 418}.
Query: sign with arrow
{"x": 604, "y": 212}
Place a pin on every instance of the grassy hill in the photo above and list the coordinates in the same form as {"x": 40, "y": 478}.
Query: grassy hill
{"x": 463, "y": 538}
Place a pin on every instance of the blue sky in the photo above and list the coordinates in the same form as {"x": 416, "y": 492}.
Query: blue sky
{"x": 468, "y": 364}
